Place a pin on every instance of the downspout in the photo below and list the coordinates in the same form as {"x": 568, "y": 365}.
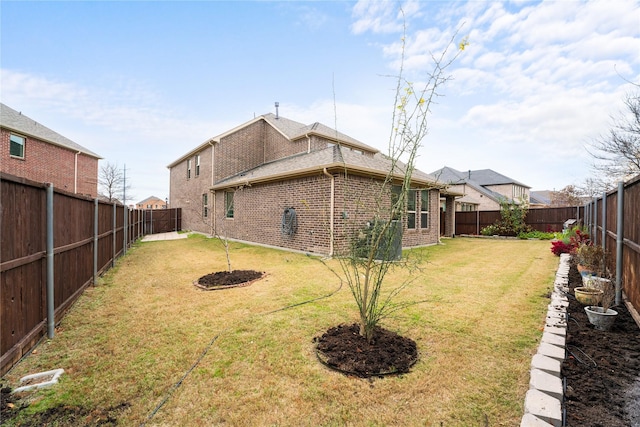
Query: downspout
{"x": 331, "y": 207}
{"x": 75, "y": 173}
{"x": 213, "y": 193}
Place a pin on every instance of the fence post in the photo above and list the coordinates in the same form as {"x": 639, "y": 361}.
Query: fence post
{"x": 594, "y": 230}
{"x": 115, "y": 222}
{"x": 619, "y": 241}
{"x": 50, "y": 277}
{"x": 125, "y": 221}
{"x": 95, "y": 241}
{"x": 604, "y": 223}
{"x": 477, "y": 222}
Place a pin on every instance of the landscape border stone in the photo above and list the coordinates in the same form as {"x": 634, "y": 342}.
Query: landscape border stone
{"x": 543, "y": 403}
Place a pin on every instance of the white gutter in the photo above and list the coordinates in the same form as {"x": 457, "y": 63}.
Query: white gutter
{"x": 332, "y": 207}
{"x": 212, "y": 192}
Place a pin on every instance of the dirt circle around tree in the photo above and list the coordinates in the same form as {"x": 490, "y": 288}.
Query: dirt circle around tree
{"x": 228, "y": 279}
{"x": 343, "y": 349}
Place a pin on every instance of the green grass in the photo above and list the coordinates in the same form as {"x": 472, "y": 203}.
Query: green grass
{"x": 133, "y": 337}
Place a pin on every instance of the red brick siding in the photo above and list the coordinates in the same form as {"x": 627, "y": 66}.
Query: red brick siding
{"x": 187, "y": 193}
{"x": 45, "y": 162}
{"x": 278, "y": 147}
{"x": 258, "y": 213}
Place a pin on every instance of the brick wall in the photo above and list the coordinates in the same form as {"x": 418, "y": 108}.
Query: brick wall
{"x": 44, "y": 162}
{"x": 186, "y": 193}
{"x": 258, "y": 212}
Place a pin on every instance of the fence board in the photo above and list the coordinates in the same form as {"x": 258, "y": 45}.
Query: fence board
{"x": 541, "y": 219}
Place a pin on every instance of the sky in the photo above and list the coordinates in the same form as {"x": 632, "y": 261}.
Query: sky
{"x": 143, "y": 82}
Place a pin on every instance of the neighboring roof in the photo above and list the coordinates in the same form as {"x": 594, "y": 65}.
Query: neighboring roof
{"x": 290, "y": 129}
{"x": 331, "y": 158}
{"x": 148, "y": 199}
{"x": 483, "y": 177}
{"x": 540, "y": 197}
{"x": 19, "y": 123}
{"x": 476, "y": 179}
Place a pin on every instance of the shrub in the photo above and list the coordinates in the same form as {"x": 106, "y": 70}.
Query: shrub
{"x": 535, "y": 234}
{"x": 559, "y": 247}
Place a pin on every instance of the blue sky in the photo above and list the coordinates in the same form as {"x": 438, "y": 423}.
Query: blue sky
{"x": 143, "y": 82}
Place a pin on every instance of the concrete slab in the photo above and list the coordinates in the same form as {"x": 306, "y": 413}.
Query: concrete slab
{"x": 546, "y": 364}
{"x": 557, "y": 330}
{"x": 551, "y": 350}
{"x": 530, "y": 420}
{"x": 173, "y": 235}
{"x": 543, "y": 406}
{"x": 546, "y": 383}
{"x": 554, "y": 339}
{"x": 556, "y": 321}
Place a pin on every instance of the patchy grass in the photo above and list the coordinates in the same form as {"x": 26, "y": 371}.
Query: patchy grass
{"x": 129, "y": 342}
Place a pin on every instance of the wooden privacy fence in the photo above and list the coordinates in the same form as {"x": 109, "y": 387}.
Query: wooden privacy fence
{"x": 541, "y": 219}
{"x": 613, "y": 221}
{"x": 53, "y": 245}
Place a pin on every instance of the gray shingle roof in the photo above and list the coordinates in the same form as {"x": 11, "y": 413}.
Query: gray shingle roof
{"x": 316, "y": 161}
{"x": 480, "y": 177}
{"x": 477, "y": 179}
{"x": 19, "y": 123}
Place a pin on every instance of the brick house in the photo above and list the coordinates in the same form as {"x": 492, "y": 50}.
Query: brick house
{"x": 35, "y": 152}
{"x": 483, "y": 189}
{"x": 251, "y": 182}
{"x": 152, "y": 202}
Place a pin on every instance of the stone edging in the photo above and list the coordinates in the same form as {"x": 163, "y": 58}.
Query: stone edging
{"x": 543, "y": 402}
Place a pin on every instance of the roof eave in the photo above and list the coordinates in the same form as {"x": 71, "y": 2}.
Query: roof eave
{"x": 332, "y": 167}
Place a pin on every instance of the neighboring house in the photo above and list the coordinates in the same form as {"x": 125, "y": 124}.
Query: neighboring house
{"x": 35, "y": 152}
{"x": 540, "y": 199}
{"x": 483, "y": 189}
{"x": 277, "y": 182}
{"x": 152, "y": 202}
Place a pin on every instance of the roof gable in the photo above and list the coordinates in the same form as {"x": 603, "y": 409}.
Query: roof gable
{"x": 288, "y": 128}
{"x": 19, "y": 123}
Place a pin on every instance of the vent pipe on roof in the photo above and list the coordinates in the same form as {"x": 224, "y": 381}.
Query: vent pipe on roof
{"x": 277, "y": 105}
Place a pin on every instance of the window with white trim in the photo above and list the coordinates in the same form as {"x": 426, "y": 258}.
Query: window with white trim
{"x": 228, "y": 204}
{"x": 424, "y": 208}
{"x": 411, "y": 209}
{"x": 189, "y": 169}
{"x": 198, "y": 165}
{"x": 17, "y": 144}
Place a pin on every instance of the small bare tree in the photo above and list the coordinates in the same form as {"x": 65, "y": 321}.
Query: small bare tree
{"x": 368, "y": 258}
{"x": 617, "y": 154}
{"x": 112, "y": 183}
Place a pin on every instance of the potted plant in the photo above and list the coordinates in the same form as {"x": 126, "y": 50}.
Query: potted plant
{"x": 602, "y": 318}
{"x": 590, "y": 259}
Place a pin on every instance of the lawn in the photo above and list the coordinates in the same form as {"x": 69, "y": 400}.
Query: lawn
{"x": 145, "y": 346}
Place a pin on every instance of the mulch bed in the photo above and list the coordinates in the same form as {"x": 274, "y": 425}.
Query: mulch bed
{"x": 602, "y": 369}
{"x": 343, "y": 348}
{"x": 228, "y": 279}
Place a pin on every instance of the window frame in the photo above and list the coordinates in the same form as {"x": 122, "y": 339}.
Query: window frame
{"x": 412, "y": 204}
{"x": 229, "y": 204}
{"x": 205, "y": 205}
{"x": 197, "y": 165}
{"x": 16, "y": 143}
{"x": 424, "y": 209}
{"x": 188, "y": 168}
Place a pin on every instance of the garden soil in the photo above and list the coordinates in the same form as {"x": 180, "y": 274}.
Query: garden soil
{"x": 602, "y": 368}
